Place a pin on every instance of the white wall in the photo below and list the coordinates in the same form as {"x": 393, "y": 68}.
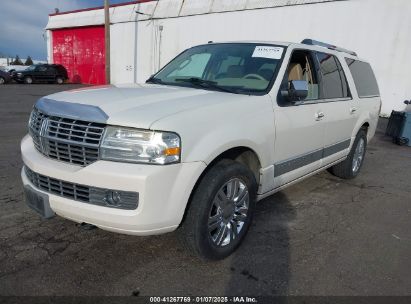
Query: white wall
{"x": 122, "y": 47}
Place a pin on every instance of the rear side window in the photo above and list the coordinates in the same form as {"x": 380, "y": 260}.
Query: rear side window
{"x": 364, "y": 78}
{"x": 333, "y": 80}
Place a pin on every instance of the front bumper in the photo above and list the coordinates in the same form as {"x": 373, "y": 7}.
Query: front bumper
{"x": 163, "y": 191}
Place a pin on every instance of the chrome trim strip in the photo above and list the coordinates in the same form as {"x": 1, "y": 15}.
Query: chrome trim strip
{"x": 328, "y": 151}
{"x": 70, "y": 110}
{"x": 292, "y": 164}
{"x": 297, "y": 162}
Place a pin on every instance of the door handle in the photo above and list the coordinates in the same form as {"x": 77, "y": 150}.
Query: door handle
{"x": 319, "y": 116}
{"x": 353, "y": 110}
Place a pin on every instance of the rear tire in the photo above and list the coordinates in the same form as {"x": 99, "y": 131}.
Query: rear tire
{"x": 28, "y": 80}
{"x": 59, "y": 80}
{"x": 220, "y": 211}
{"x": 351, "y": 167}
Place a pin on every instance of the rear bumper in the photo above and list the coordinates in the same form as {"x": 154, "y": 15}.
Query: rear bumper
{"x": 163, "y": 191}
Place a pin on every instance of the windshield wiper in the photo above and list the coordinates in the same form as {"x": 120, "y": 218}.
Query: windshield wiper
{"x": 154, "y": 80}
{"x": 202, "y": 83}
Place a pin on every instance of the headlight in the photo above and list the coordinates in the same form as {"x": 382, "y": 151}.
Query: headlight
{"x": 139, "y": 146}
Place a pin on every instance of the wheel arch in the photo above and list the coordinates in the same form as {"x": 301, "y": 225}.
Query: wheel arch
{"x": 242, "y": 154}
{"x": 365, "y": 125}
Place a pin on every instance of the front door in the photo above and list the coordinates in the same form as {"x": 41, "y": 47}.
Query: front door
{"x": 299, "y": 127}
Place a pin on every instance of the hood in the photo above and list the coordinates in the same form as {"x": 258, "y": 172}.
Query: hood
{"x": 140, "y": 105}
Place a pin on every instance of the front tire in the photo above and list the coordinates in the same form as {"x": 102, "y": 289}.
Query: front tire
{"x": 2, "y": 81}
{"x": 351, "y": 167}
{"x": 220, "y": 211}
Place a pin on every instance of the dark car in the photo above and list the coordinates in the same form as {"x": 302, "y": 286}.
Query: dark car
{"x": 4, "y": 77}
{"x": 51, "y": 73}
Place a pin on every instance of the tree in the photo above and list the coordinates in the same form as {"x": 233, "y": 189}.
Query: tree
{"x": 29, "y": 61}
{"x": 17, "y": 61}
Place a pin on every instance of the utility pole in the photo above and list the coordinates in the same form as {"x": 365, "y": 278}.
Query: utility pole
{"x": 107, "y": 37}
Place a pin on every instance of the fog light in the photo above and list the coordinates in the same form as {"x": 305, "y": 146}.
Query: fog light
{"x": 114, "y": 198}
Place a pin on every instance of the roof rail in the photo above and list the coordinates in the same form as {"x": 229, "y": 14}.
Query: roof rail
{"x": 328, "y": 46}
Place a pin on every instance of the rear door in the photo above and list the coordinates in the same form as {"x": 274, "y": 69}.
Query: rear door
{"x": 50, "y": 74}
{"x": 40, "y": 73}
{"x": 339, "y": 108}
{"x": 299, "y": 128}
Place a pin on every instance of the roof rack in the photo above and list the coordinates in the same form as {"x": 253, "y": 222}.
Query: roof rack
{"x": 328, "y": 46}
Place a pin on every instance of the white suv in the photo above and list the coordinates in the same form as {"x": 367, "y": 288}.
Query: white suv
{"x": 220, "y": 127}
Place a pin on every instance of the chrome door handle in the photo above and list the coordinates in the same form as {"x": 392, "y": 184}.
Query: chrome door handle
{"x": 319, "y": 116}
{"x": 353, "y": 110}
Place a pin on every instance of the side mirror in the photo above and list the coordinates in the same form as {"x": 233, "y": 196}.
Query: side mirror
{"x": 298, "y": 91}
{"x": 407, "y": 102}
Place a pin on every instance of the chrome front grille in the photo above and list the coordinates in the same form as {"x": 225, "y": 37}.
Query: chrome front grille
{"x": 36, "y": 120}
{"x": 86, "y": 194}
{"x": 64, "y": 139}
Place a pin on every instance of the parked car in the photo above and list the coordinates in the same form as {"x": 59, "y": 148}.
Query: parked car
{"x": 51, "y": 73}
{"x": 14, "y": 68}
{"x": 4, "y": 77}
{"x": 220, "y": 127}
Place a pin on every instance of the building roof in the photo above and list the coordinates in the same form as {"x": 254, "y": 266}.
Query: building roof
{"x": 100, "y": 7}
{"x": 141, "y": 10}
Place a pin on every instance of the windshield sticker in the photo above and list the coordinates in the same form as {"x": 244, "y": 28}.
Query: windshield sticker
{"x": 271, "y": 52}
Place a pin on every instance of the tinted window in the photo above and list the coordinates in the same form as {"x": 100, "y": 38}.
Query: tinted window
{"x": 334, "y": 83}
{"x": 364, "y": 78}
{"x": 60, "y": 69}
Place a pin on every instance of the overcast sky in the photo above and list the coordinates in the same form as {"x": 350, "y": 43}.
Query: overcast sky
{"x": 22, "y": 24}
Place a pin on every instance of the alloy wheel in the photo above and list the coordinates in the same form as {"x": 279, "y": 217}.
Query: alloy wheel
{"x": 358, "y": 155}
{"x": 228, "y": 212}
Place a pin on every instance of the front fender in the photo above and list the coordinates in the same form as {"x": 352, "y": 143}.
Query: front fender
{"x": 208, "y": 132}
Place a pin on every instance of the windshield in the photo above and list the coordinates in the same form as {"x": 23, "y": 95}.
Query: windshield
{"x": 232, "y": 67}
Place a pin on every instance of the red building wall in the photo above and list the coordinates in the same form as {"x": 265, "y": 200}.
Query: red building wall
{"x": 82, "y": 52}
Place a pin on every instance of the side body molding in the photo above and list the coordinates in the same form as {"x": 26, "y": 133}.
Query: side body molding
{"x": 71, "y": 110}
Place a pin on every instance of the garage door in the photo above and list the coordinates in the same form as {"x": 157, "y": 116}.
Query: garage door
{"x": 82, "y": 52}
